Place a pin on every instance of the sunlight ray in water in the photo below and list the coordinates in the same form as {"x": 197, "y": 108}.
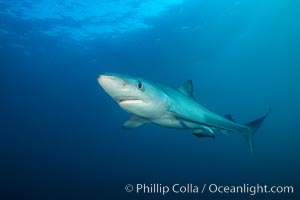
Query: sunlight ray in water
{"x": 85, "y": 20}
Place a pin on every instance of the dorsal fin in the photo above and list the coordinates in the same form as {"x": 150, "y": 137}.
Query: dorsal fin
{"x": 229, "y": 117}
{"x": 187, "y": 88}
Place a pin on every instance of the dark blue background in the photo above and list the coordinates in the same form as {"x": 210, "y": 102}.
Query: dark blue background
{"x": 61, "y": 136}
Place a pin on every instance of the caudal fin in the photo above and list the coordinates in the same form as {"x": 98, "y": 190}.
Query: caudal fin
{"x": 254, "y": 125}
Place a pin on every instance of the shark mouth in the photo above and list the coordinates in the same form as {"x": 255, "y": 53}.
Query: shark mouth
{"x": 128, "y": 100}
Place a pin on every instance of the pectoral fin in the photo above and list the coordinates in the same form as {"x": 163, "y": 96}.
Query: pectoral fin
{"x": 134, "y": 122}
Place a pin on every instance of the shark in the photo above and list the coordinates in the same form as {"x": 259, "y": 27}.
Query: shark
{"x": 158, "y": 104}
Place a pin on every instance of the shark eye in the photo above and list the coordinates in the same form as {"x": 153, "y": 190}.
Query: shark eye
{"x": 139, "y": 85}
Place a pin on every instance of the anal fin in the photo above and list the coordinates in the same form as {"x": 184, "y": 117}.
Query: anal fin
{"x": 202, "y": 133}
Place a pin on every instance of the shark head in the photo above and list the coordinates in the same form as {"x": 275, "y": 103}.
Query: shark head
{"x": 135, "y": 95}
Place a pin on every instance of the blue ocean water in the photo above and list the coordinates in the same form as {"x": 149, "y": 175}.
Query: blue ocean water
{"x": 60, "y": 133}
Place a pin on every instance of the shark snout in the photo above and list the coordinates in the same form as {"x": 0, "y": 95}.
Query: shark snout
{"x": 106, "y": 80}
{"x": 111, "y": 84}
{"x": 101, "y": 79}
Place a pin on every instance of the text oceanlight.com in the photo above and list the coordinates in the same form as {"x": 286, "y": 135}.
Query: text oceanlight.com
{"x": 190, "y": 188}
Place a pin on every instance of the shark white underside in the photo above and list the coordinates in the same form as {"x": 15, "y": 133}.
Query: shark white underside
{"x": 164, "y": 106}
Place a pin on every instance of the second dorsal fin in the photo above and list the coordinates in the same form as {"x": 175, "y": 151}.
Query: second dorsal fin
{"x": 187, "y": 88}
{"x": 229, "y": 117}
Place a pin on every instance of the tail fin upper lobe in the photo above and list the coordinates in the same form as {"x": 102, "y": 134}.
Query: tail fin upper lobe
{"x": 254, "y": 125}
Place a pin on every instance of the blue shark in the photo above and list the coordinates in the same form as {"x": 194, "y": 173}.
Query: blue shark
{"x": 173, "y": 108}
